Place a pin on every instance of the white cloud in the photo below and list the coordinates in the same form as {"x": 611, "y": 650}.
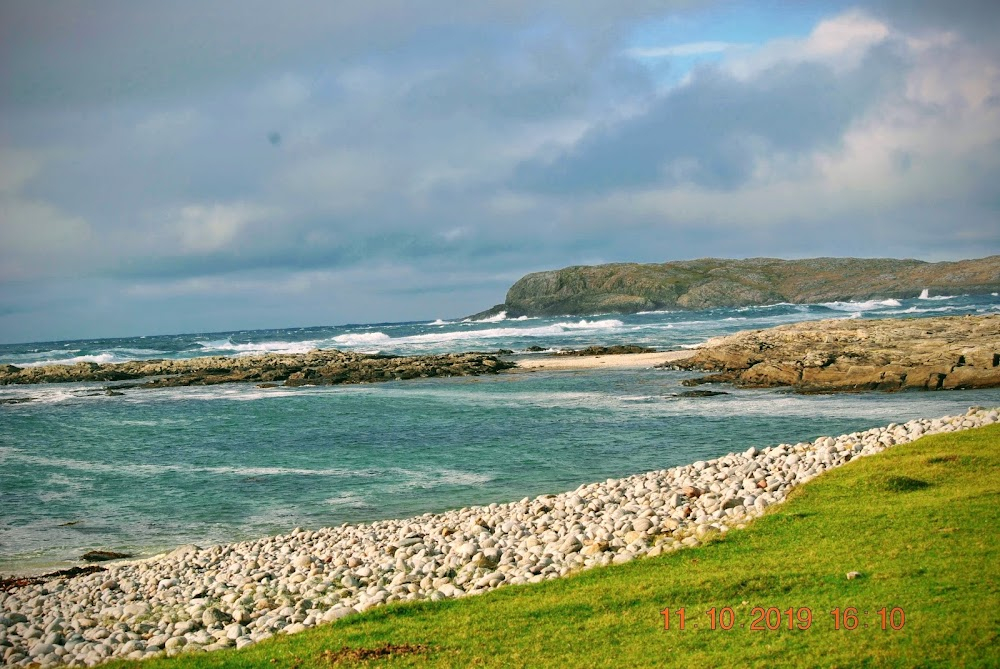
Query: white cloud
{"x": 203, "y": 228}
{"x": 687, "y": 49}
{"x": 920, "y": 147}
{"x": 839, "y": 42}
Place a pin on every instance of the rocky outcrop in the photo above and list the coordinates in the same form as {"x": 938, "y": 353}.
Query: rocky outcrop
{"x": 712, "y": 282}
{"x": 326, "y": 367}
{"x": 855, "y": 355}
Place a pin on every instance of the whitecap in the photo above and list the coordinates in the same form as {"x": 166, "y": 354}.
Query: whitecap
{"x": 257, "y": 348}
{"x": 362, "y": 339}
{"x": 867, "y": 305}
{"x": 925, "y": 295}
{"x": 433, "y": 338}
{"x": 101, "y": 358}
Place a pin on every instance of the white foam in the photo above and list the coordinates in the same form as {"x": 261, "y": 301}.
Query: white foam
{"x": 925, "y": 295}
{"x": 362, "y": 339}
{"x": 925, "y": 310}
{"x": 383, "y": 340}
{"x": 441, "y": 322}
{"x": 502, "y": 316}
{"x": 867, "y": 305}
{"x": 256, "y": 348}
{"x": 101, "y": 358}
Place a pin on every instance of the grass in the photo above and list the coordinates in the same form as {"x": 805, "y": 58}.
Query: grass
{"x": 919, "y": 522}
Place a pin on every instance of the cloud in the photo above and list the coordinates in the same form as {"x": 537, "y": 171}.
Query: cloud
{"x": 380, "y": 156}
{"x": 711, "y": 131}
{"x": 688, "y": 49}
{"x": 207, "y": 228}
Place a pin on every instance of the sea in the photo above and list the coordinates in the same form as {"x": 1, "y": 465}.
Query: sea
{"x": 149, "y": 470}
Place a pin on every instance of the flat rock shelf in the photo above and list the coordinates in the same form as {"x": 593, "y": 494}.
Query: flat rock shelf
{"x": 318, "y": 368}
{"x": 200, "y": 599}
{"x": 848, "y": 355}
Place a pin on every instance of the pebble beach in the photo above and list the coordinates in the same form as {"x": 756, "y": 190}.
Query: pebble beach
{"x": 196, "y": 599}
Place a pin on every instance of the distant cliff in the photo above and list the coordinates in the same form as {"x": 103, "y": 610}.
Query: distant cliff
{"x": 713, "y": 282}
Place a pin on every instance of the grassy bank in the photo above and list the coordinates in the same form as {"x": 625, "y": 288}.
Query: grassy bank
{"x": 919, "y": 522}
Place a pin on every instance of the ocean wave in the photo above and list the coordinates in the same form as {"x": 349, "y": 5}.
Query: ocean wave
{"x": 362, "y": 339}
{"x": 256, "y": 348}
{"x": 383, "y": 340}
{"x": 496, "y": 318}
{"x": 101, "y": 358}
{"x": 923, "y": 310}
{"x": 867, "y": 305}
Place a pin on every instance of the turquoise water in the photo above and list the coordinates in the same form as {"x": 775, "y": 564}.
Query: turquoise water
{"x": 149, "y": 470}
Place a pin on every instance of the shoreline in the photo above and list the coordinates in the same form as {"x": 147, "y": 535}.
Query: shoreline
{"x": 555, "y": 362}
{"x": 233, "y": 595}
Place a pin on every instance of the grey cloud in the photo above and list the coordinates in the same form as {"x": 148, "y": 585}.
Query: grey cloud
{"x": 717, "y": 126}
{"x": 83, "y": 53}
{"x": 978, "y": 20}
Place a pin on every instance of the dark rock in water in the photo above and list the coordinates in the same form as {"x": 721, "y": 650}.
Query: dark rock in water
{"x": 701, "y": 393}
{"x": 536, "y": 349}
{"x": 103, "y": 556}
{"x": 16, "y": 400}
{"x": 113, "y": 393}
{"x": 267, "y": 385}
{"x": 70, "y": 523}
{"x": 505, "y": 351}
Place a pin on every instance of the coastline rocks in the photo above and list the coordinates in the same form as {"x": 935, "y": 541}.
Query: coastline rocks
{"x": 326, "y": 367}
{"x": 200, "y": 599}
{"x": 857, "y": 355}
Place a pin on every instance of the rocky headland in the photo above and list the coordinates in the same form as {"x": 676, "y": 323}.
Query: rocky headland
{"x": 856, "y": 355}
{"x": 319, "y": 367}
{"x": 200, "y": 599}
{"x": 713, "y": 282}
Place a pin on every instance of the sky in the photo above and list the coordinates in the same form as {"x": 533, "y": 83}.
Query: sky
{"x": 203, "y": 166}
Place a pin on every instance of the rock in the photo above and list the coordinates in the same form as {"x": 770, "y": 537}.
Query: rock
{"x": 325, "y": 367}
{"x": 103, "y": 556}
{"x": 595, "y": 548}
{"x": 213, "y": 616}
{"x": 851, "y": 575}
{"x": 848, "y": 356}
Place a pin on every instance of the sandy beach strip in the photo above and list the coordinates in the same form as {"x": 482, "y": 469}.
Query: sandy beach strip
{"x": 620, "y": 361}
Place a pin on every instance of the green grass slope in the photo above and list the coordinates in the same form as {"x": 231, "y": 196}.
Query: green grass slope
{"x": 919, "y": 522}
